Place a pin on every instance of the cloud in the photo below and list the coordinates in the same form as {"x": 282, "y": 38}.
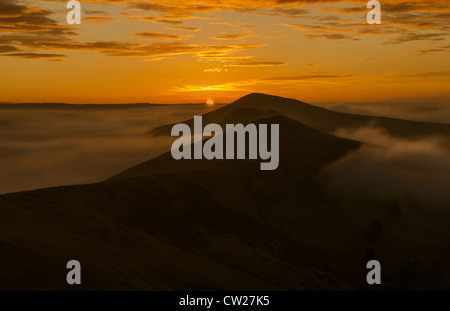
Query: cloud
{"x": 99, "y": 12}
{"x": 170, "y": 21}
{"x": 34, "y": 55}
{"x": 431, "y": 74}
{"x": 223, "y": 53}
{"x": 21, "y": 18}
{"x": 414, "y": 6}
{"x": 257, "y": 64}
{"x": 32, "y": 33}
{"x": 10, "y": 8}
{"x": 157, "y": 35}
{"x": 290, "y": 12}
{"x": 126, "y": 49}
{"x": 305, "y": 27}
{"x": 333, "y": 36}
{"x": 215, "y": 70}
{"x": 392, "y": 168}
{"x": 98, "y": 19}
{"x": 7, "y": 48}
{"x": 409, "y": 20}
{"x": 179, "y": 8}
{"x": 415, "y": 37}
{"x": 307, "y": 77}
{"x": 253, "y": 85}
{"x": 46, "y": 147}
{"x": 394, "y": 7}
{"x": 230, "y": 36}
{"x": 433, "y": 109}
{"x": 45, "y": 29}
{"x": 325, "y": 32}
{"x": 229, "y": 86}
{"x": 186, "y": 28}
{"x": 434, "y": 50}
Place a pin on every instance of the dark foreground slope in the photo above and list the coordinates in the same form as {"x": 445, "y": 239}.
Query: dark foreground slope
{"x": 224, "y": 225}
{"x": 255, "y": 106}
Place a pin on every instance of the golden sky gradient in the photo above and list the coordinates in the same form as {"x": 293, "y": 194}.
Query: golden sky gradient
{"x": 188, "y": 51}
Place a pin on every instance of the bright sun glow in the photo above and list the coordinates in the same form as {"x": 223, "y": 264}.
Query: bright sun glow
{"x": 209, "y": 102}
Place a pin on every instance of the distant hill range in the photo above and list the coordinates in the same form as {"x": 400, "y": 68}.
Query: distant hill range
{"x": 63, "y": 106}
{"x": 224, "y": 224}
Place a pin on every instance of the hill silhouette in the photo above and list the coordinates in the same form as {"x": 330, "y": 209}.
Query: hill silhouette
{"x": 292, "y": 135}
{"x": 218, "y": 225}
{"x": 254, "y": 106}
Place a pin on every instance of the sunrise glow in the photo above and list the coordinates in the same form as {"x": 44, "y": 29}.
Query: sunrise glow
{"x": 128, "y": 51}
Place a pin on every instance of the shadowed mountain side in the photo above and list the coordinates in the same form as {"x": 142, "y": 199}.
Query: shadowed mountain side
{"x": 254, "y": 105}
{"x": 295, "y": 138}
{"x": 218, "y": 227}
{"x": 228, "y": 226}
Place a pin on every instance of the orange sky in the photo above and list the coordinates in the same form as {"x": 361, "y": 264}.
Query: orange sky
{"x": 188, "y": 51}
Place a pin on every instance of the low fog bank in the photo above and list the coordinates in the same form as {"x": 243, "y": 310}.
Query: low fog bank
{"x": 434, "y": 110}
{"x": 46, "y": 147}
{"x": 386, "y": 169}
